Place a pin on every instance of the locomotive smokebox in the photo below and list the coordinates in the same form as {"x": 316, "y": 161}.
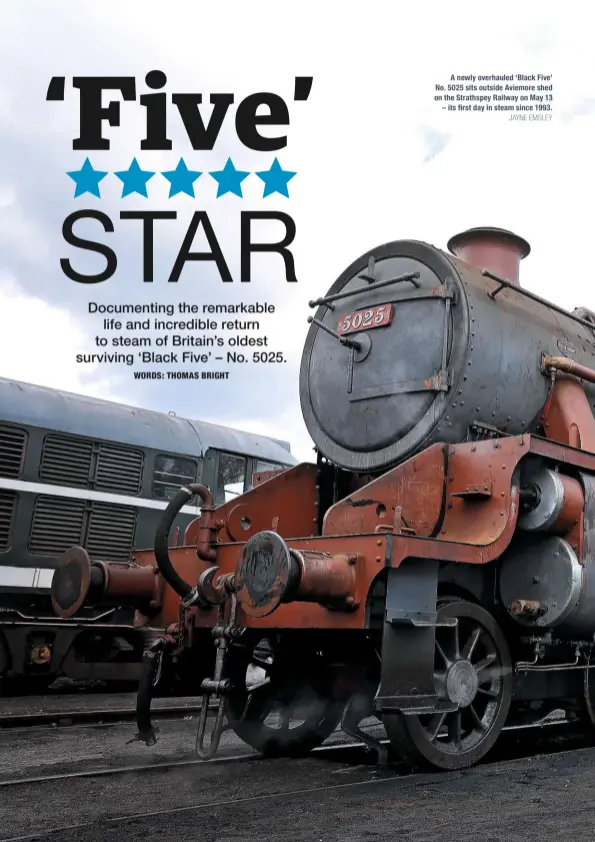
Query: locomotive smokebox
{"x": 412, "y": 346}
{"x": 495, "y": 249}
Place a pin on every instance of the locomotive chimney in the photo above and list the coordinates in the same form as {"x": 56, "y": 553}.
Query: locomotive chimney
{"x": 495, "y": 249}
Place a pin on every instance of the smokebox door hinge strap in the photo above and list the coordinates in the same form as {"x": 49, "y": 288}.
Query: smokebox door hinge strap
{"x": 438, "y": 383}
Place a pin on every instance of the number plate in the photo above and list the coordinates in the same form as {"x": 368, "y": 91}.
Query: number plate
{"x": 379, "y": 316}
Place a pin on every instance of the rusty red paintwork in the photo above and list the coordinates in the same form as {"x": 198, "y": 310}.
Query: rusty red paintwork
{"x": 572, "y": 508}
{"x": 567, "y": 416}
{"x": 465, "y": 498}
{"x": 491, "y": 248}
{"x": 122, "y": 580}
{"x": 568, "y": 366}
{"x": 264, "y": 476}
{"x": 416, "y": 487}
{"x": 474, "y": 527}
{"x": 328, "y": 579}
{"x": 518, "y": 607}
{"x": 269, "y": 574}
{"x": 480, "y": 502}
{"x": 286, "y": 504}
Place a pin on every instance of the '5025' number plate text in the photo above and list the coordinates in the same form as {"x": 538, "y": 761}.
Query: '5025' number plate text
{"x": 379, "y": 316}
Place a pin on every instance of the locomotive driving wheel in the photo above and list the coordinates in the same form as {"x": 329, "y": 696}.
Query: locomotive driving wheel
{"x": 280, "y": 705}
{"x": 472, "y": 669}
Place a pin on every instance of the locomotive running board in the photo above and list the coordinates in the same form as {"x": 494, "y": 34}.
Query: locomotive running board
{"x": 408, "y": 641}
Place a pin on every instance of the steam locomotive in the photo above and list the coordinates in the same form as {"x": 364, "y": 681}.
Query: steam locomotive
{"x": 436, "y": 567}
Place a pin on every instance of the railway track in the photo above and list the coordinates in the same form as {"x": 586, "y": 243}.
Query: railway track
{"x": 516, "y": 741}
{"x": 239, "y": 786}
{"x": 226, "y": 802}
{"x": 98, "y": 716}
{"x": 344, "y": 758}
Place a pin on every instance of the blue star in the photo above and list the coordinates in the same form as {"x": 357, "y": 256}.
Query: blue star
{"x": 275, "y": 179}
{"x": 229, "y": 179}
{"x": 181, "y": 179}
{"x": 87, "y": 179}
{"x": 134, "y": 179}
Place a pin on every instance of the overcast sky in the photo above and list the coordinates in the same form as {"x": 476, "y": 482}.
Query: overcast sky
{"x": 376, "y": 157}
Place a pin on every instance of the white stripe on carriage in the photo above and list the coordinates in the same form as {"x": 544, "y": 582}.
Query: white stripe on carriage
{"x": 26, "y": 577}
{"x": 85, "y": 494}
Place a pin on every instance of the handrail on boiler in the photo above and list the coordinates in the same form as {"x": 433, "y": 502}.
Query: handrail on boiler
{"x": 509, "y": 285}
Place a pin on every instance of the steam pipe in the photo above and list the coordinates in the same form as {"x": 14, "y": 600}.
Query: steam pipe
{"x": 568, "y": 367}
{"x": 207, "y": 530}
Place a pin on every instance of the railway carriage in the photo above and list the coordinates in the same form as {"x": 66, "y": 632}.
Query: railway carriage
{"x": 77, "y": 470}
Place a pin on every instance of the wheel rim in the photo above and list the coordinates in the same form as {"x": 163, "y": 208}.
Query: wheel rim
{"x": 472, "y": 669}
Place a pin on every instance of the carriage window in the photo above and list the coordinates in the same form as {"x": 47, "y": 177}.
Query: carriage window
{"x": 266, "y": 466}
{"x": 170, "y": 474}
{"x": 231, "y": 475}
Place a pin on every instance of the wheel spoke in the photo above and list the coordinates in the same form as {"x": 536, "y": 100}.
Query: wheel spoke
{"x": 468, "y": 648}
{"x": 487, "y": 691}
{"x": 476, "y": 718}
{"x": 454, "y": 728}
{"x": 485, "y": 662}
{"x": 455, "y": 634}
{"x": 435, "y": 724}
{"x": 443, "y": 655}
